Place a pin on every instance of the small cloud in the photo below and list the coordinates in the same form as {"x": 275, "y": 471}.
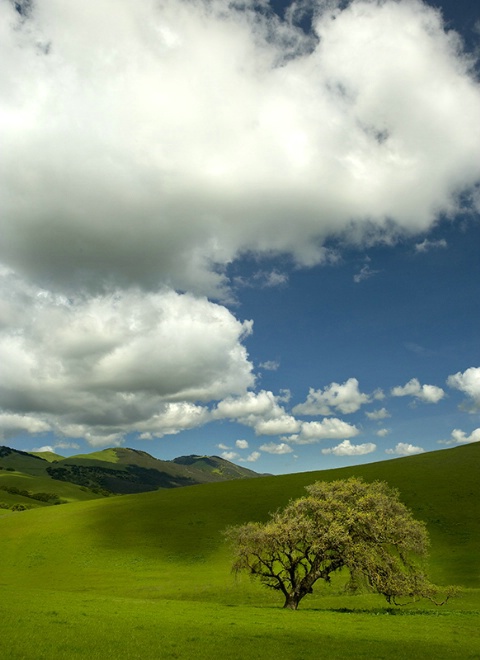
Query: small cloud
{"x": 365, "y": 274}
{"x": 273, "y": 448}
{"x": 230, "y": 455}
{"x": 405, "y": 449}
{"x": 222, "y": 446}
{"x": 382, "y": 433}
{"x": 426, "y": 245}
{"x": 270, "y": 365}
{"x": 262, "y": 279}
{"x": 346, "y": 398}
{"x": 44, "y": 448}
{"x": 460, "y": 437}
{"x": 468, "y": 382}
{"x": 417, "y": 349}
{"x": 425, "y": 393}
{"x": 378, "y": 414}
{"x": 327, "y": 429}
{"x": 271, "y": 279}
{"x": 254, "y": 456}
{"x": 241, "y": 444}
{"x": 346, "y": 448}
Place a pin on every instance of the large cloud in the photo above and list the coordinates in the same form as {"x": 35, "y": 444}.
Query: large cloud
{"x": 117, "y": 362}
{"x": 147, "y": 142}
{"x": 146, "y": 145}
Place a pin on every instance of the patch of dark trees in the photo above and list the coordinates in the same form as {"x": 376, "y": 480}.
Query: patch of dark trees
{"x": 132, "y": 479}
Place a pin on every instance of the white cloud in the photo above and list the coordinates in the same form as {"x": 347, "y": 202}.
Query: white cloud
{"x": 425, "y": 393}
{"x": 404, "y": 449}
{"x": 261, "y": 411}
{"x": 270, "y": 365}
{"x": 253, "y": 457}
{"x": 144, "y": 158}
{"x": 241, "y": 444}
{"x": 230, "y": 455}
{"x": 274, "y": 448}
{"x": 364, "y": 274}
{"x": 277, "y": 426}
{"x": 382, "y": 433}
{"x": 382, "y": 413}
{"x": 221, "y": 445}
{"x": 460, "y": 437}
{"x": 121, "y": 362}
{"x": 468, "y": 382}
{"x": 13, "y": 424}
{"x": 427, "y": 245}
{"x": 57, "y": 445}
{"x": 192, "y": 132}
{"x": 345, "y": 398}
{"x": 311, "y": 432}
{"x": 346, "y": 448}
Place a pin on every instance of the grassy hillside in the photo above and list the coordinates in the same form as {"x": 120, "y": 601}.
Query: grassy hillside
{"x": 103, "y": 473}
{"x": 141, "y": 566}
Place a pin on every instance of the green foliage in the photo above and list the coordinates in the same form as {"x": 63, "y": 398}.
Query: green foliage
{"x": 351, "y": 525}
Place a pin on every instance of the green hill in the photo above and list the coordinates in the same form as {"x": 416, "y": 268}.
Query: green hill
{"x": 103, "y": 473}
{"x": 126, "y": 574}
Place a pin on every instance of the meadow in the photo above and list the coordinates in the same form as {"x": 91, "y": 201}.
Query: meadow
{"x": 148, "y": 575}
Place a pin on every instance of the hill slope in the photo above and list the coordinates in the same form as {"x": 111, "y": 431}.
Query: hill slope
{"x": 174, "y": 530}
{"x": 115, "y": 470}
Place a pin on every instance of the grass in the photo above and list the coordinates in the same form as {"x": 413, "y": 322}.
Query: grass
{"x": 148, "y": 576}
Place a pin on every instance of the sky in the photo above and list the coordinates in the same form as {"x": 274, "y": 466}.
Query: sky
{"x": 247, "y": 229}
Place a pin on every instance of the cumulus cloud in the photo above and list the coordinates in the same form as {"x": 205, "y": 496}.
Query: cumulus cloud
{"x": 253, "y": 457}
{"x": 468, "y": 382}
{"x": 345, "y": 398}
{"x": 404, "y": 449}
{"x": 115, "y": 363}
{"x": 382, "y": 433}
{"x": 57, "y": 445}
{"x": 425, "y": 393}
{"x": 13, "y": 424}
{"x": 460, "y": 437}
{"x": 241, "y": 444}
{"x": 276, "y": 448}
{"x": 189, "y": 132}
{"x": 142, "y": 158}
{"x": 346, "y": 448}
{"x": 331, "y": 427}
{"x": 382, "y": 413}
{"x": 230, "y": 455}
{"x": 260, "y": 410}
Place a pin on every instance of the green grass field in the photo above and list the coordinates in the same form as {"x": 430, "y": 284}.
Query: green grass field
{"x": 148, "y": 576}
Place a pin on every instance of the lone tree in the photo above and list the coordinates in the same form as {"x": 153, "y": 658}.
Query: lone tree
{"x": 353, "y": 525}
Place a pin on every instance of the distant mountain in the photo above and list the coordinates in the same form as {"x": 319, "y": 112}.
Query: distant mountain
{"x": 115, "y": 470}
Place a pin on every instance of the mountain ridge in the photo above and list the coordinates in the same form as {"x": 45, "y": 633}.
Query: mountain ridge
{"x": 110, "y": 471}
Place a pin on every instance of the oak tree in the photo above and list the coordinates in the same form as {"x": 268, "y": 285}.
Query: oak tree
{"x": 359, "y": 527}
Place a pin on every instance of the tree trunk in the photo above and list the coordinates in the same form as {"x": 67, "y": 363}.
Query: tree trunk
{"x": 291, "y": 602}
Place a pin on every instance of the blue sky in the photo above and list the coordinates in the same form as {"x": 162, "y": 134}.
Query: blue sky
{"x": 230, "y": 233}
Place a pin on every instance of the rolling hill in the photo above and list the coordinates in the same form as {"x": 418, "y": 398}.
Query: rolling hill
{"x": 125, "y": 576}
{"x": 102, "y": 473}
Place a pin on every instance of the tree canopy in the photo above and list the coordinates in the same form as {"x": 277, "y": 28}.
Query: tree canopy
{"x": 348, "y": 524}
